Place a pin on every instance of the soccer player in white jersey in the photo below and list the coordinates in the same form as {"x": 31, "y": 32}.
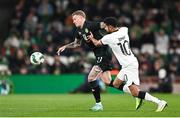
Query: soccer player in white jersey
{"x": 118, "y": 40}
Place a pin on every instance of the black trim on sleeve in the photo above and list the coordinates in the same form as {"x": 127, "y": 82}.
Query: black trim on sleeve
{"x": 101, "y": 42}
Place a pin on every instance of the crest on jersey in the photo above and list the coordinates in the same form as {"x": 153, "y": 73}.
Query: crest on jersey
{"x": 86, "y": 30}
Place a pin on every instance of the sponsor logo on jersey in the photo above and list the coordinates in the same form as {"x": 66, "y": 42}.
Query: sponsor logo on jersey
{"x": 85, "y": 37}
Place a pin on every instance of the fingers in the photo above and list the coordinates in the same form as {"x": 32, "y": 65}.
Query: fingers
{"x": 60, "y": 50}
{"x": 90, "y": 36}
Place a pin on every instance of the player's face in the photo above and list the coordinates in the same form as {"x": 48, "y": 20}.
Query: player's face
{"x": 78, "y": 20}
{"x": 108, "y": 28}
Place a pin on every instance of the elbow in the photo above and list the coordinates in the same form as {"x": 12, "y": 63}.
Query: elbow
{"x": 96, "y": 44}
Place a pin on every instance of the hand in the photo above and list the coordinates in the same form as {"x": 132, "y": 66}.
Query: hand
{"x": 61, "y": 49}
{"x": 90, "y": 37}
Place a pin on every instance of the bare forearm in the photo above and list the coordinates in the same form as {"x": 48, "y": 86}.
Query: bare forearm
{"x": 96, "y": 42}
{"x": 74, "y": 44}
{"x": 70, "y": 45}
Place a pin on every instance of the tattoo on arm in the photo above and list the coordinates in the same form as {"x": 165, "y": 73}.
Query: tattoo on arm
{"x": 74, "y": 44}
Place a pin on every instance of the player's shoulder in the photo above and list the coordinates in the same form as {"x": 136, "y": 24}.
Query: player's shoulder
{"x": 88, "y": 21}
{"x": 91, "y": 23}
{"x": 123, "y": 29}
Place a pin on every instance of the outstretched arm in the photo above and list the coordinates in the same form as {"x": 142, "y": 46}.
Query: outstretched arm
{"x": 76, "y": 43}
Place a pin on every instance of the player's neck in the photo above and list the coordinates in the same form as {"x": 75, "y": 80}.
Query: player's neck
{"x": 82, "y": 24}
{"x": 115, "y": 29}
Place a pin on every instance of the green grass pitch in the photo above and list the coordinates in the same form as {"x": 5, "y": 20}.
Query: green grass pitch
{"x": 77, "y": 105}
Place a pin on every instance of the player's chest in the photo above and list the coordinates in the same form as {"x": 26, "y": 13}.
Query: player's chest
{"x": 83, "y": 33}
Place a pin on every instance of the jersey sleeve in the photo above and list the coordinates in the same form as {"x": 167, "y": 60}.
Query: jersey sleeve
{"x": 106, "y": 40}
{"x": 77, "y": 35}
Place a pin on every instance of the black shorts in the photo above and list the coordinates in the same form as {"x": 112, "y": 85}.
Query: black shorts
{"x": 104, "y": 63}
{"x": 103, "y": 58}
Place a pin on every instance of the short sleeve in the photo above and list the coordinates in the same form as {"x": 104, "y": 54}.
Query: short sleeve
{"x": 106, "y": 40}
{"x": 77, "y": 35}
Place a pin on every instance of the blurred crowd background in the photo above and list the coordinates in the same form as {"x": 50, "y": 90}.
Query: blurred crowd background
{"x": 45, "y": 25}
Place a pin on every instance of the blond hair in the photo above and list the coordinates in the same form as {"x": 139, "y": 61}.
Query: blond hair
{"x": 79, "y": 12}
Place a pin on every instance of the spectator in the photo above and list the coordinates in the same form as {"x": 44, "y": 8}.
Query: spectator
{"x": 162, "y": 42}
